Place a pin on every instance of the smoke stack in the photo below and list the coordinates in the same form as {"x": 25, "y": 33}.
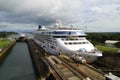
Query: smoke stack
{"x": 39, "y": 27}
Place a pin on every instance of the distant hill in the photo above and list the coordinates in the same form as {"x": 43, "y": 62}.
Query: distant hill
{"x": 101, "y": 37}
{"x": 6, "y": 34}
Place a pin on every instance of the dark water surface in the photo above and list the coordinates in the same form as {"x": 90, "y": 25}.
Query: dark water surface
{"x": 17, "y": 65}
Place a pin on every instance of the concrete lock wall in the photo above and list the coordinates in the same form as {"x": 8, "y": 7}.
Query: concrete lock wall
{"x": 5, "y": 50}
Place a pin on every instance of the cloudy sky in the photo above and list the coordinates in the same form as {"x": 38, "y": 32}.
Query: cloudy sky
{"x": 26, "y": 15}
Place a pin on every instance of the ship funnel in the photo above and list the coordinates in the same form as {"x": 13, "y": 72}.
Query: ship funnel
{"x": 39, "y": 27}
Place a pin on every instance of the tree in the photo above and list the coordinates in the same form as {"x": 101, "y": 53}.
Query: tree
{"x": 117, "y": 44}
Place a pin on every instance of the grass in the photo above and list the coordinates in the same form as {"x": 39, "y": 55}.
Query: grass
{"x": 4, "y": 42}
{"x": 106, "y": 48}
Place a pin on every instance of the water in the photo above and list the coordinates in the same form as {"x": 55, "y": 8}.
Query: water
{"x": 17, "y": 65}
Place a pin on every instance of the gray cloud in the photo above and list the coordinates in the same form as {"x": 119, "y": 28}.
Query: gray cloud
{"x": 26, "y": 10}
{"x": 27, "y": 14}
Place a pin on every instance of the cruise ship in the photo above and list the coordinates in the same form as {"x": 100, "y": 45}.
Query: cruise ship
{"x": 66, "y": 40}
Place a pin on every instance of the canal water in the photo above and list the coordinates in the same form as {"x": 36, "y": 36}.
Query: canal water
{"x": 17, "y": 65}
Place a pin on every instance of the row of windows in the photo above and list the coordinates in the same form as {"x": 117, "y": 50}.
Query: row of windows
{"x": 69, "y": 32}
{"x": 75, "y": 43}
{"x": 65, "y": 32}
{"x": 72, "y": 39}
{"x": 67, "y": 36}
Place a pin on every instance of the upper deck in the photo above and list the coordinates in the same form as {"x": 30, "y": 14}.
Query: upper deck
{"x": 59, "y": 30}
{"x": 62, "y": 32}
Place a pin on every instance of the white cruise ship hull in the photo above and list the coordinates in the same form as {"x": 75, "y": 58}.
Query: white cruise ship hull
{"x": 90, "y": 57}
{"x": 66, "y": 40}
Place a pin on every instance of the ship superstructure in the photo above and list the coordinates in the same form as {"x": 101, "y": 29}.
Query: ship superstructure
{"x": 66, "y": 40}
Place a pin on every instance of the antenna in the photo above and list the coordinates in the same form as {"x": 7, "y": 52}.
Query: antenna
{"x": 58, "y": 23}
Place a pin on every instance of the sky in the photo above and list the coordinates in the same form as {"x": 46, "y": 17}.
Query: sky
{"x": 90, "y": 15}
